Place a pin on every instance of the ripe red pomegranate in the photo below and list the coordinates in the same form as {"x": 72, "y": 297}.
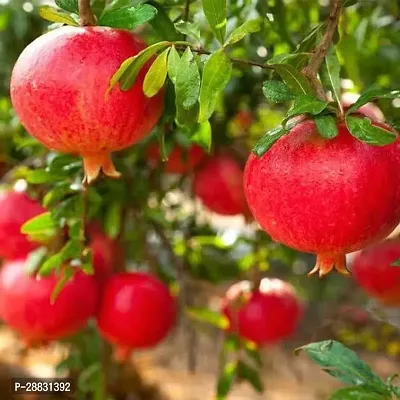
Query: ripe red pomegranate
{"x": 25, "y": 303}
{"x": 15, "y": 209}
{"x": 369, "y": 110}
{"x": 59, "y": 91}
{"x": 266, "y": 315}
{"x": 137, "y": 311}
{"x": 219, "y": 185}
{"x": 328, "y": 197}
{"x": 180, "y": 160}
{"x": 373, "y": 271}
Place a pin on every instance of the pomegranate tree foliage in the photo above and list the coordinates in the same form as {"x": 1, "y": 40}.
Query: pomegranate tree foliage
{"x": 216, "y": 60}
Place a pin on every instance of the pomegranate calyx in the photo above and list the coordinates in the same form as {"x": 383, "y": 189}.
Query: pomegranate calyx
{"x": 326, "y": 263}
{"x": 94, "y": 163}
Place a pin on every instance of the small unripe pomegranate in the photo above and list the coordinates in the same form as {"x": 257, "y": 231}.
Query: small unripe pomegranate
{"x": 265, "y": 315}
{"x": 369, "y": 110}
{"x": 25, "y": 303}
{"x": 373, "y": 271}
{"x": 59, "y": 89}
{"x": 219, "y": 185}
{"x": 180, "y": 160}
{"x": 136, "y": 311}
{"x": 15, "y": 209}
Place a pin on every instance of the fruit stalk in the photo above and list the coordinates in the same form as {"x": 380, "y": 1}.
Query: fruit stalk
{"x": 86, "y": 16}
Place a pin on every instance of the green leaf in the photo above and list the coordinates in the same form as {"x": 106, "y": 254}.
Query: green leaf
{"x": 112, "y": 222}
{"x": 396, "y": 263}
{"x": 282, "y": 58}
{"x": 156, "y": 75}
{"x": 216, "y": 76}
{"x": 203, "y": 135}
{"x": 68, "y": 5}
{"x": 52, "y": 263}
{"x": 41, "y": 224}
{"x": 215, "y": 12}
{"x": 75, "y": 229}
{"x": 306, "y": 104}
{"x": 162, "y": 24}
{"x": 187, "y": 85}
{"x": 343, "y": 363}
{"x": 254, "y": 354}
{"x": 239, "y": 33}
{"x": 72, "y": 249}
{"x": 65, "y": 278}
{"x": 174, "y": 60}
{"x": 42, "y": 175}
{"x": 296, "y": 81}
{"x": 326, "y": 125}
{"x": 54, "y": 15}
{"x": 210, "y": 317}
{"x": 357, "y": 393}
{"x": 71, "y": 207}
{"x": 251, "y": 375}
{"x": 128, "y": 17}
{"x": 130, "y": 68}
{"x": 350, "y": 58}
{"x": 189, "y": 28}
{"x": 187, "y": 118}
{"x": 310, "y": 40}
{"x": 277, "y": 91}
{"x": 34, "y": 259}
{"x": 227, "y": 380}
{"x": 330, "y": 75}
{"x": 56, "y": 194}
{"x": 363, "y": 130}
{"x": 266, "y": 142}
{"x": 98, "y": 7}
{"x": 372, "y": 94}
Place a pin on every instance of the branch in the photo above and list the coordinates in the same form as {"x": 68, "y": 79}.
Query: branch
{"x": 86, "y": 16}
{"x": 311, "y": 70}
{"x": 187, "y": 10}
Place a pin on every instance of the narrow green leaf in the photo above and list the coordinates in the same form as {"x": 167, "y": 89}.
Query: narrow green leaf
{"x": 66, "y": 277}
{"x": 326, "y": 125}
{"x": 68, "y": 5}
{"x": 251, "y": 375}
{"x": 266, "y": 142}
{"x": 156, "y": 75}
{"x": 350, "y": 58}
{"x": 296, "y": 81}
{"x": 203, "y": 135}
{"x": 128, "y": 17}
{"x": 75, "y": 229}
{"x": 372, "y": 94}
{"x": 215, "y": 12}
{"x": 162, "y": 24}
{"x": 363, "y": 130}
{"x": 187, "y": 118}
{"x": 113, "y": 220}
{"x": 56, "y": 194}
{"x": 71, "y": 207}
{"x": 330, "y": 75}
{"x": 227, "y": 380}
{"x": 42, "y": 175}
{"x": 343, "y": 363}
{"x": 310, "y": 40}
{"x": 34, "y": 259}
{"x": 306, "y": 104}
{"x": 357, "y": 393}
{"x": 51, "y": 264}
{"x": 282, "y": 58}
{"x": 174, "y": 60}
{"x": 254, "y": 354}
{"x": 54, "y": 15}
{"x": 40, "y": 224}
{"x": 396, "y": 263}
{"x": 187, "y": 85}
{"x": 210, "y": 317}
{"x": 98, "y": 7}
{"x": 130, "y": 68}
{"x": 216, "y": 76}
{"x": 242, "y": 31}
{"x": 72, "y": 249}
{"x": 189, "y": 28}
{"x": 277, "y": 91}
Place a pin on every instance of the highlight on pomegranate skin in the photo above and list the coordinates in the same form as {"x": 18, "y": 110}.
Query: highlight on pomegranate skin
{"x": 16, "y": 208}
{"x": 328, "y": 197}
{"x": 266, "y": 315}
{"x": 60, "y": 91}
{"x": 25, "y": 303}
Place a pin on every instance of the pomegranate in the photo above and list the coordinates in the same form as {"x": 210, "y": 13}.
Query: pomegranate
{"x": 369, "y": 110}
{"x": 15, "y": 209}
{"x": 373, "y": 271}
{"x": 26, "y": 307}
{"x": 219, "y": 185}
{"x": 180, "y": 160}
{"x": 59, "y": 89}
{"x": 137, "y": 311}
{"x": 328, "y": 197}
{"x": 243, "y": 119}
{"x": 266, "y": 315}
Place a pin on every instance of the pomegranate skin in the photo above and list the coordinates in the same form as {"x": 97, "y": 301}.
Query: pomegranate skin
{"x": 25, "y": 303}
{"x": 328, "y": 197}
{"x": 180, "y": 161}
{"x": 137, "y": 311}
{"x": 373, "y": 272}
{"x": 59, "y": 89}
{"x": 265, "y": 316}
{"x": 15, "y": 209}
{"x": 219, "y": 185}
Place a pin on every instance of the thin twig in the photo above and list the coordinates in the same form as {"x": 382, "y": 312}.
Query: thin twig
{"x": 311, "y": 70}
{"x": 187, "y": 11}
{"x": 84, "y": 210}
{"x": 86, "y": 16}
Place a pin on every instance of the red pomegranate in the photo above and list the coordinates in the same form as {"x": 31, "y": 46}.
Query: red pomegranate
{"x": 59, "y": 89}
{"x": 219, "y": 185}
{"x": 373, "y": 271}
{"x": 328, "y": 197}
{"x": 369, "y": 110}
{"x": 266, "y": 315}
{"x": 15, "y": 209}
{"x": 137, "y": 311}
{"x": 26, "y": 307}
{"x": 180, "y": 160}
